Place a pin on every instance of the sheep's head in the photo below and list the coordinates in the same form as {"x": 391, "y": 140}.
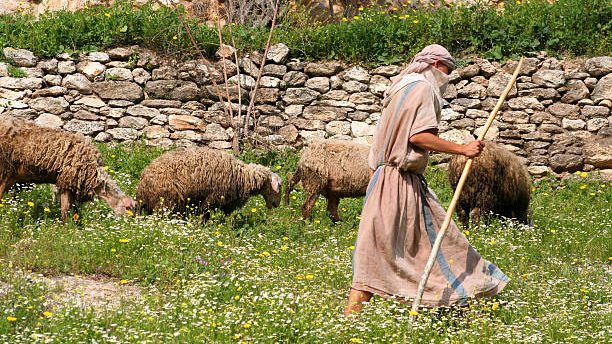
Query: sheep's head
{"x": 272, "y": 191}
{"x": 112, "y": 195}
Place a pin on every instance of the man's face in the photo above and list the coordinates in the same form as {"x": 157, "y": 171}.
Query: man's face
{"x": 441, "y": 67}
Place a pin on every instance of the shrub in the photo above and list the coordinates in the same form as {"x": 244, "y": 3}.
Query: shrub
{"x": 373, "y": 36}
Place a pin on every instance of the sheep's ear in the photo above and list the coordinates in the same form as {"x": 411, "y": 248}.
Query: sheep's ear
{"x": 276, "y": 182}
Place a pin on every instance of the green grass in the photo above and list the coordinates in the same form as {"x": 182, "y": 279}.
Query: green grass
{"x": 267, "y": 276}
{"x": 373, "y": 37}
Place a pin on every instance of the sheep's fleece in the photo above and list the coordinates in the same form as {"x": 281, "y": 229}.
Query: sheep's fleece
{"x": 203, "y": 178}
{"x": 334, "y": 169}
{"x": 498, "y": 182}
{"x": 45, "y": 155}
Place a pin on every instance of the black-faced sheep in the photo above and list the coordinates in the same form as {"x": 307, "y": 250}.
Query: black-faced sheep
{"x": 498, "y": 183}
{"x": 205, "y": 179}
{"x": 33, "y": 154}
{"x": 334, "y": 169}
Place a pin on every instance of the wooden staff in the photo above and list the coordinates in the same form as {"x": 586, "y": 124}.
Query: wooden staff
{"x": 449, "y": 213}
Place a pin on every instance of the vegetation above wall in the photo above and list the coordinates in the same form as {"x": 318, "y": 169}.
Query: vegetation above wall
{"x": 373, "y": 37}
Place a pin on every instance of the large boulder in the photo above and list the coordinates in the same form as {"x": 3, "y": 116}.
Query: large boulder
{"x": 598, "y": 66}
{"x": 20, "y": 57}
{"x": 120, "y": 90}
{"x": 173, "y": 89}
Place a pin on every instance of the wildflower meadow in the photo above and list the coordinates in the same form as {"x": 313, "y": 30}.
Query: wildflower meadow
{"x": 264, "y": 275}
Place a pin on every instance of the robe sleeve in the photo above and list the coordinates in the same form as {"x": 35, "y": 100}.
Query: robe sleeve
{"x": 425, "y": 117}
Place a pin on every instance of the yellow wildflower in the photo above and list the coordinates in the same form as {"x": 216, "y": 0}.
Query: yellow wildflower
{"x": 416, "y": 21}
{"x": 123, "y": 281}
{"x": 11, "y": 319}
{"x": 413, "y": 313}
{"x": 355, "y": 340}
{"x": 113, "y": 250}
{"x": 360, "y": 8}
{"x": 278, "y": 167}
{"x": 309, "y": 276}
{"x": 583, "y": 186}
{"x": 344, "y": 19}
{"x": 247, "y": 326}
{"x": 284, "y": 247}
{"x": 219, "y": 243}
{"x": 466, "y": 232}
{"x": 47, "y": 210}
{"x": 253, "y": 210}
{"x": 174, "y": 37}
{"x": 495, "y": 306}
{"x": 130, "y": 213}
{"x": 30, "y": 204}
{"x": 108, "y": 15}
{"x": 123, "y": 241}
{"x": 47, "y": 314}
{"x": 584, "y": 174}
{"x": 75, "y": 217}
{"x": 356, "y": 17}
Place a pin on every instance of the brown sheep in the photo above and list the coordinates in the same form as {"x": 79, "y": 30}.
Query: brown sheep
{"x": 498, "y": 183}
{"x": 334, "y": 169}
{"x": 204, "y": 178}
{"x": 33, "y": 154}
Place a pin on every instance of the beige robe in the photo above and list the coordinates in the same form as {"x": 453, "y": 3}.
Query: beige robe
{"x": 401, "y": 216}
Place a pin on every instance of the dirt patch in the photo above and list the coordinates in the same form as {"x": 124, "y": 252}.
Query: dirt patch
{"x": 97, "y": 292}
{"x": 100, "y": 293}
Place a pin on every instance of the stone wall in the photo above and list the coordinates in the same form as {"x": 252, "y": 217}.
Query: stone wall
{"x": 557, "y": 116}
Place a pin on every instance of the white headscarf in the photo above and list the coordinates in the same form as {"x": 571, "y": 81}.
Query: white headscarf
{"x": 420, "y": 68}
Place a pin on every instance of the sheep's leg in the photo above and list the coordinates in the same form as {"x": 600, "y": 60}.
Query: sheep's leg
{"x": 475, "y": 214}
{"x": 65, "y": 204}
{"x": 464, "y": 217}
{"x": 332, "y": 207}
{"x": 311, "y": 199}
{"x": 5, "y": 184}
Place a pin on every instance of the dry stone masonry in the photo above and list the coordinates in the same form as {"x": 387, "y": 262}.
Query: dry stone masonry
{"x": 557, "y": 116}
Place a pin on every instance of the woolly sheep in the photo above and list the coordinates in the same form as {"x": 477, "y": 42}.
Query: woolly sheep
{"x": 204, "y": 178}
{"x": 33, "y": 154}
{"x": 498, "y": 183}
{"x": 334, "y": 169}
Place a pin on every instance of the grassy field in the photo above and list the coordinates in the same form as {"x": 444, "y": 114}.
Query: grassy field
{"x": 266, "y": 276}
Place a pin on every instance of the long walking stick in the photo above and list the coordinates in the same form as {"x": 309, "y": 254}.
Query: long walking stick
{"x": 449, "y": 213}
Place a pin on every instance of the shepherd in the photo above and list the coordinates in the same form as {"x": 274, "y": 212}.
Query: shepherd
{"x": 401, "y": 215}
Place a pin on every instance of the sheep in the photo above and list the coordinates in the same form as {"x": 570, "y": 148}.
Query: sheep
{"x": 498, "y": 183}
{"x": 33, "y": 154}
{"x": 205, "y": 179}
{"x": 334, "y": 169}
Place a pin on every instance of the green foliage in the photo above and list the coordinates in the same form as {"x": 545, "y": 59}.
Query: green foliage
{"x": 373, "y": 37}
{"x": 15, "y": 72}
{"x": 265, "y": 275}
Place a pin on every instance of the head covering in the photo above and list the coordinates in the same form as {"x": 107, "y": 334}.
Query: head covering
{"x": 428, "y": 56}
{"x": 420, "y": 68}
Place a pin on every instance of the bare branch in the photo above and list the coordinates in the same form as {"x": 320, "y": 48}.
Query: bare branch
{"x": 261, "y": 67}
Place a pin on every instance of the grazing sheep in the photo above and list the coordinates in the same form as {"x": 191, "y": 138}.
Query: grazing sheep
{"x": 204, "y": 178}
{"x": 33, "y": 154}
{"x": 334, "y": 169}
{"x": 498, "y": 183}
